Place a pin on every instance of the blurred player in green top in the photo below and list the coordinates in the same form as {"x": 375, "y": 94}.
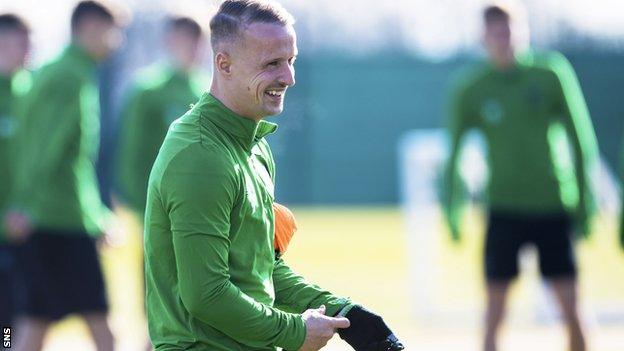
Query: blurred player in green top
{"x": 162, "y": 93}
{"x": 56, "y": 206}
{"x": 212, "y": 277}
{"x": 541, "y": 144}
{"x": 14, "y": 83}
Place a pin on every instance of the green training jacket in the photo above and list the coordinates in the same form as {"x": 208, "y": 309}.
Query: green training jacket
{"x": 538, "y": 132}
{"x": 57, "y": 145}
{"x": 212, "y": 279}
{"x": 160, "y": 95}
{"x": 12, "y": 90}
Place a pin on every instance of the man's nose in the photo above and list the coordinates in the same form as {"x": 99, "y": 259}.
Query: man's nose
{"x": 288, "y": 76}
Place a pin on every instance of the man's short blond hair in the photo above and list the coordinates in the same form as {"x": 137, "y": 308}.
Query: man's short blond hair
{"x": 234, "y": 16}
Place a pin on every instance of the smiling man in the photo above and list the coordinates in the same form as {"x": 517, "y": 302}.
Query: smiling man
{"x": 212, "y": 278}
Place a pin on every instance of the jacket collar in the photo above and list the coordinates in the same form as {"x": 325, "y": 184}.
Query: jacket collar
{"x": 247, "y": 131}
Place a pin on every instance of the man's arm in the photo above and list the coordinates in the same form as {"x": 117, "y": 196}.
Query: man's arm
{"x": 457, "y": 125}
{"x": 199, "y": 189}
{"x": 579, "y": 126}
{"x": 293, "y": 293}
{"x": 367, "y": 330}
{"x": 131, "y": 175}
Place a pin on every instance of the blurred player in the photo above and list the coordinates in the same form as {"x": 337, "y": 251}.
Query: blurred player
{"x": 162, "y": 93}
{"x": 213, "y": 279}
{"x": 56, "y": 208}
{"x": 530, "y": 109}
{"x": 14, "y": 83}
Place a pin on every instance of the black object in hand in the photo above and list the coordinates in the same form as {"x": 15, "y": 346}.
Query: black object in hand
{"x": 368, "y": 332}
{"x": 390, "y": 344}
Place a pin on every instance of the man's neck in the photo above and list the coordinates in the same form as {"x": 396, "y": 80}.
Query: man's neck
{"x": 181, "y": 67}
{"x": 504, "y": 62}
{"x": 77, "y": 42}
{"x": 221, "y": 94}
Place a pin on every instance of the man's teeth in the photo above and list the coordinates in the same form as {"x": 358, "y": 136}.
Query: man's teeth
{"x": 275, "y": 92}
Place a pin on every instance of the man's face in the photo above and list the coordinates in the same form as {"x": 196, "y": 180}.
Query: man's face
{"x": 498, "y": 37}
{"x": 262, "y": 69}
{"x": 184, "y": 47}
{"x": 14, "y": 47}
{"x": 101, "y": 37}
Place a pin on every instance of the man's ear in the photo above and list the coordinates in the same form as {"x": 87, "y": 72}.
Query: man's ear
{"x": 223, "y": 63}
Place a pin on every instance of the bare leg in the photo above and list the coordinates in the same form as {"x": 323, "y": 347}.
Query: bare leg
{"x": 496, "y": 301}
{"x": 100, "y": 331}
{"x": 30, "y": 333}
{"x": 566, "y": 293}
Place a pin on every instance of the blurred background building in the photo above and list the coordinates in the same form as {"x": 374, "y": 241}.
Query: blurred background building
{"x": 390, "y": 60}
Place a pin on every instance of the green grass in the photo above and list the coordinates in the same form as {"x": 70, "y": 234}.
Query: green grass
{"x": 363, "y": 253}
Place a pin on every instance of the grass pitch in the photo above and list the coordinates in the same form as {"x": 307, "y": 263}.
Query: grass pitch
{"x": 364, "y": 253}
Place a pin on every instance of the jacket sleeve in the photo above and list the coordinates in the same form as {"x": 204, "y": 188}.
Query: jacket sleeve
{"x": 583, "y": 139}
{"x": 131, "y": 175}
{"x": 457, "y": 125}
{"x": 199, "y": 189}
{"x": 293, "y": 293}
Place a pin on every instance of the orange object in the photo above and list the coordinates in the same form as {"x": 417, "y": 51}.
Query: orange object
{"x": 285, "y": 227}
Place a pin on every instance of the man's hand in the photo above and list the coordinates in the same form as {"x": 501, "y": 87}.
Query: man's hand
{"x": 452, "y": 215}
{"x": 320, "y": 328}
{"x": 453, "y": 223}
{"x": 369, "y": 332}
{"x": 583, "y": 222}
{"x": 18, "y": 226}
{"x": 114, "y": 234}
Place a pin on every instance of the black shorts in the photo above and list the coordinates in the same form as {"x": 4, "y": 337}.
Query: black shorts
{"x": 550, "y": 233}
{"x": 7, "y": 285}
{"x": 60, "y": 274}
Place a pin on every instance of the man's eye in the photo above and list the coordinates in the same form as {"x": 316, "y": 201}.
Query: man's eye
{"x": 273, "y": 63}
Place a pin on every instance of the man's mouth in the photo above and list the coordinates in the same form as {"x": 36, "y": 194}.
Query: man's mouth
{"x": 275, "y": 93}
